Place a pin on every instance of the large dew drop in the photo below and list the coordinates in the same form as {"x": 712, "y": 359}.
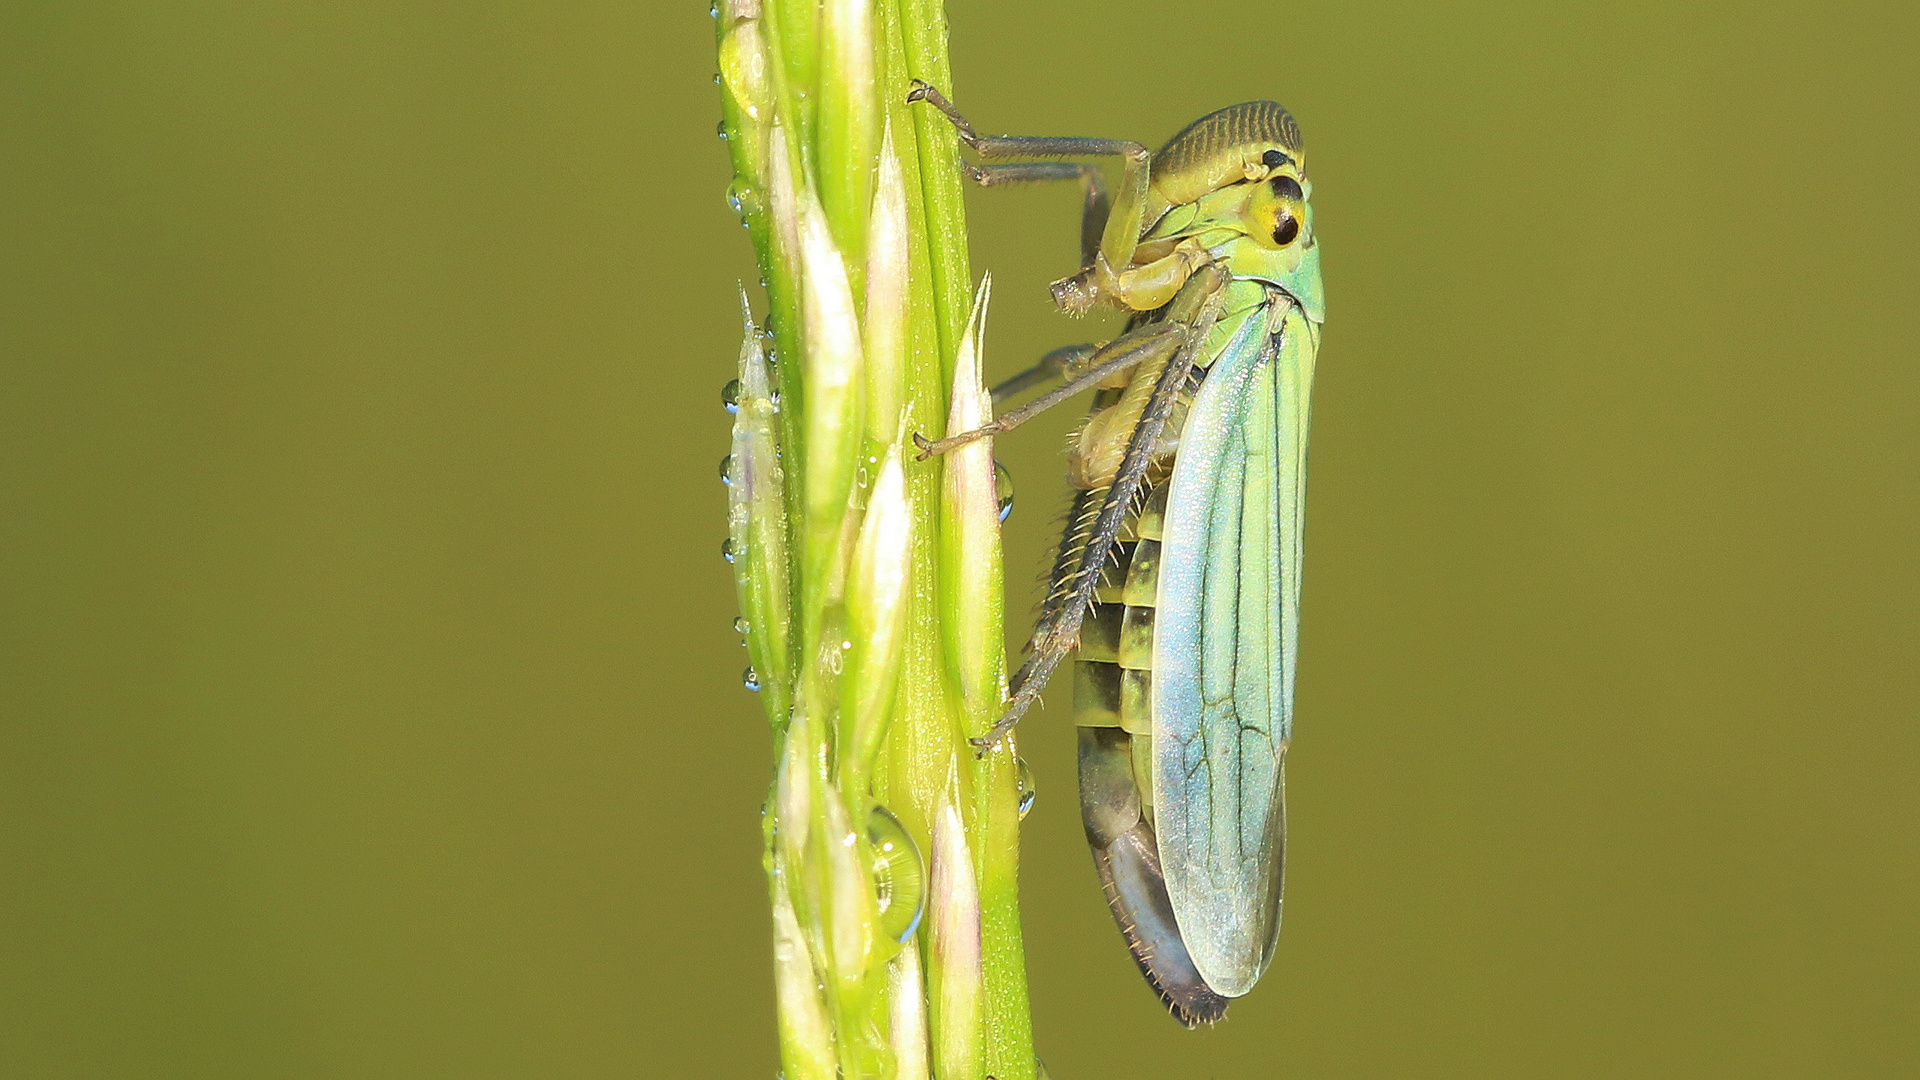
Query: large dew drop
{"x": 730, "y": 396}
{"x": 742, "y": 199}
{"x": 899, "y": 875}
{"x": 1003, "y": 488}
{"x": 1027, "y": 791}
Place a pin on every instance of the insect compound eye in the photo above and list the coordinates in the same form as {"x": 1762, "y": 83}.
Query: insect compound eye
{"x": 1286, "y": 229}
{"x": 1288, "y": 201}
{"x": 1276, "y": 213}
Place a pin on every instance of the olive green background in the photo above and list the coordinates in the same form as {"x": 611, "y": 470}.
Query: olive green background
{"x": 368, "y": 704}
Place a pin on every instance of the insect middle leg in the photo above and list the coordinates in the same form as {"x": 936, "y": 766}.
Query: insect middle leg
{"x": 1153, "y": 342}
{"x": 1061, "y": 363}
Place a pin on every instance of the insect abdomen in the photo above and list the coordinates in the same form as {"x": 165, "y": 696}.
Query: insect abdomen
{"x": 1113, "y": 683}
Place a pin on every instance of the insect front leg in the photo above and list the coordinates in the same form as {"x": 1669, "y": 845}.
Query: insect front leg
{"x": 1095, "y": 205}
{"x": 1121, "y": 220}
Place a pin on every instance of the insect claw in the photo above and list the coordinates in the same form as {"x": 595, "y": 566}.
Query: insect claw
{"x": 926, "y": 446}
{"x": 919, "y": 91}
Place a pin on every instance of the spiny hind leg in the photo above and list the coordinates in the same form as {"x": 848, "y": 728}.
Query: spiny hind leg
{"x": 1084, "y": 553}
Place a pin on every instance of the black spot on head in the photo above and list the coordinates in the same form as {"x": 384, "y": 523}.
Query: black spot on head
{"x": 1286, "y": 229}
{"x": 1286, "y": 187}
{"x": 1273, "y": 159}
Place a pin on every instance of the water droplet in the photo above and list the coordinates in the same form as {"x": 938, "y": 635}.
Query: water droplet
{"x": 726, "y": 549}
{"x": 774, "y": 397}
{"x": 1003, "y": 488}
{"x": 721, "y": 131}
{"x": 752, "y": 680}
{"x": 726, "y": 466}
{"x": 741, "y": 625}
{"x": 730, "y": 396}
{"x": 1027, "y": 791}
{"x": 860, "y": 478}
{"x": 742, "y": 197}
{"x": 713, "y": 11}
{"x": 716, "y": 78}
{"x": 899, "y": 875}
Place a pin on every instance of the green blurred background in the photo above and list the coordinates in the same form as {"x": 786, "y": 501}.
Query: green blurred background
{"x": 368, "y": 703}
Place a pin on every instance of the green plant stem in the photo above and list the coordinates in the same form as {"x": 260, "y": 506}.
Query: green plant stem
{"x": 881, "y": 601}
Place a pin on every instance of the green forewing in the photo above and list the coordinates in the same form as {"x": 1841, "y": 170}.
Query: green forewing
{"x": 1225, "y": 642}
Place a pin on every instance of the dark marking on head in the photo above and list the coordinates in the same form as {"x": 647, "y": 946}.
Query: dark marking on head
{"x": 1273, "y": 159}
{"x": 1286, "y": 229}
{"x": 1234, "y": 130}
{"x": 1286, "y": 187}
{"x": 1290, "y": 132}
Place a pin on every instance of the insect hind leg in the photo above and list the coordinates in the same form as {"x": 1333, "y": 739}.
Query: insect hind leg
{"x": 1077, "y": 574}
